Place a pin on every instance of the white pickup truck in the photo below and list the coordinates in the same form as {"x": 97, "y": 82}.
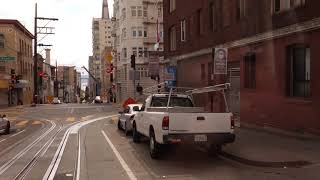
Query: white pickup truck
{"x": 173, "y": 119}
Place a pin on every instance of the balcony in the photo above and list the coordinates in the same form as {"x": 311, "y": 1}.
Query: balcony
{"x": 152, "y": 40}
{"x": 151, "y": 20}
{"x": 152, "y": 2}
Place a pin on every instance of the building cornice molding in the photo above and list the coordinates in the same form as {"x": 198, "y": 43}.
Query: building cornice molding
{"x": 278, "y": 33}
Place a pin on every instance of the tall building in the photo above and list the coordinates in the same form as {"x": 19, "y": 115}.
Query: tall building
{"x": 137, "y": 28}
{"x": 101, "y": 40}
{"x": 67, "y": 78}
{"x": 272, "y": 45}
{"x": 16, "y": 63}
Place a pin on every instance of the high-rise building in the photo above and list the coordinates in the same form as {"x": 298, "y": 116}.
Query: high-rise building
{"x": 137, "y": 30}
{"x": 101, "y": 40}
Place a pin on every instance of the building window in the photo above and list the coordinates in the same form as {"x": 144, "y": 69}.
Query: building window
{"x": 2, "y": 41}
{"x": 172, "y": 5}
{"x": 283, "y": 5}
{"x": 134, "y": 51}
{"x": 124, "y": 51}
{"x": 203, "y": 71}
{"x": 200, "y": 22}
{"x": 250, "y": 71}
{"x": 145, "y": 32}
{"x": 133, "y": 11}
{"x": 173, "y": 38}
{"x": 124, "y": 33}
{"x": 212, "y": 17}
{"x": 226, "y": 16}
{"x": 183, "y": 30}
{"x": 241, "y": 9}
{"x": 139, "y": 8}
{"x": 140, "y": 34}
{"x": 134, "y": 32}
{"x": 123, "y": 14}
{"x": 145, "y": 11}
{"x": 298, "y": 71}
{"x": 145, "y": 52}
{"x": 140, "y": 53}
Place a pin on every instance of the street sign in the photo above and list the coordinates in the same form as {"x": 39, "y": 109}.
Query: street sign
{"x": 109, "y": 57}
{"x": 220, "y": 61}
{"x": 7, "y": 58}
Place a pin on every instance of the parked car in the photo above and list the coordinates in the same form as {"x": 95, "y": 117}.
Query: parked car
{"x": 173, "y": 119}
{"x": 98, "y": 100}
{"x": 56, "y": 101}
{"x": 126, "y": 117}
{"x": 4, "y": 124}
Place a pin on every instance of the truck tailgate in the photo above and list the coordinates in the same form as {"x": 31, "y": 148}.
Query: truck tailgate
{"x": 200, "y": 123}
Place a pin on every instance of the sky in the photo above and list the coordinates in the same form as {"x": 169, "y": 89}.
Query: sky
{"x": 72, "y": 42}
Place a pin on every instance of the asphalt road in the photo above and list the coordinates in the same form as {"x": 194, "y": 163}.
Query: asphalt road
{"x": 70, "y": 141}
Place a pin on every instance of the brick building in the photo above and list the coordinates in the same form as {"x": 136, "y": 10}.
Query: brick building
{"x": 273, "y": 45}
{"x": 16, "y": 63}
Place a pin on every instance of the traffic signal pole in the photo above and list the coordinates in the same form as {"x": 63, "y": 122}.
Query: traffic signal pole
{"x": 133, "y": 65}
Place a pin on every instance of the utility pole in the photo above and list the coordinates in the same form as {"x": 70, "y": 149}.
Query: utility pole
{"x": 48, "y": 30}
{"x": 35, "y": 67}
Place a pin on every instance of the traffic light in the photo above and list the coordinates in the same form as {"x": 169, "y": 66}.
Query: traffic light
{"x": 133, "y": 61}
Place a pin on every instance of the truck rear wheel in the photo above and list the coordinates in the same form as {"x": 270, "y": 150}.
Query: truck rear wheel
{"x": 154, "y": 147}
{"x": 215, "y": 150}
{"x": 135, "y": 134}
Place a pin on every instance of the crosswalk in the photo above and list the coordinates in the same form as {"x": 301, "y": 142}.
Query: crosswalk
{"x": 24, "y": 123}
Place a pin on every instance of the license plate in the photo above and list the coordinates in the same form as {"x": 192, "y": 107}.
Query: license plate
{"x": 200, "y": 138}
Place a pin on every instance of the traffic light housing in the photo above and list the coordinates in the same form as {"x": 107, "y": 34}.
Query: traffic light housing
{"x": 133, "y": 61}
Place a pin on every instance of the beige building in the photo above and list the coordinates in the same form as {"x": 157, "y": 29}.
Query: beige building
{"x": 16, "y": 63}
{"x": 137, "y": 28}
{"x": 101, "y": 43}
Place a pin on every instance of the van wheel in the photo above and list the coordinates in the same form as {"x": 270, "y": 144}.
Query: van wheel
{"x": 8, "y": 128}
{"x": 135, "y": 134}
{"x": 126, "y": 132}
{"x": 119, "y": 125}
{"x": 154, "y": 147}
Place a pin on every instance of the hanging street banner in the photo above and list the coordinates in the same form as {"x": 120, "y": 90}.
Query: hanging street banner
{"x": 220, "y": 61}
{"x": 154, "y": 65}
{"x": 7, "y": 58}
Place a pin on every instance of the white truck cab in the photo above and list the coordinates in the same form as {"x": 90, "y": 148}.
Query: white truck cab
{"x": 172, "y": 119}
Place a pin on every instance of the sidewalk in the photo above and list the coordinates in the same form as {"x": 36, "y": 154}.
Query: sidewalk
{"x": 261, "y": 148}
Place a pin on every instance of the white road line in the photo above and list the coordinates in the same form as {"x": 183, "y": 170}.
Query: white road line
{"x": 79, "y": 158}
{"x": 53, "y": 167}
{"x": 8, "y": 164}
{"x": 122, "y": 162}
{"x": 3, "y": 140}
{"x": 18, "y": 133}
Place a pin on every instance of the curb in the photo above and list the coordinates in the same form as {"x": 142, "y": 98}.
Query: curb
{"x": 279, "y": 164}
{"x": 276, "y": 131}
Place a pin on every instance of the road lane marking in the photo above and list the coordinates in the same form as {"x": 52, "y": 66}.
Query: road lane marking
{"x": 79, "y": 158}
{"x": 21, "y": 123}
{"x": 9, "y": 163}
{"x": 36, "y": 122}
{"x": 121, "y": 160}
{"x": 71, "y": 119}
{"x": 53, "y": 167}
{"x": 3, "y": 140}
{"x": 17, "y": 133}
